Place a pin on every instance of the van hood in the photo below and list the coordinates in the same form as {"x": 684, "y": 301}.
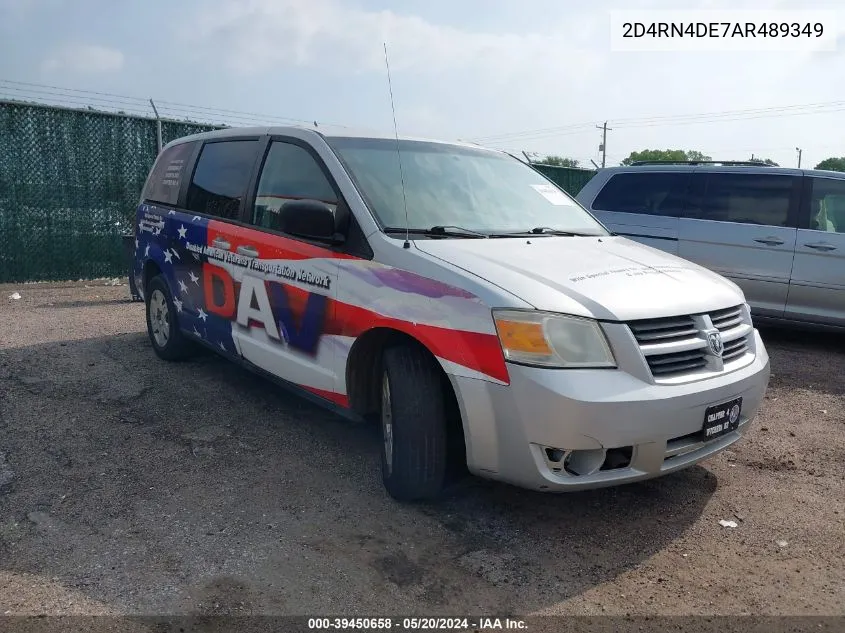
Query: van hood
{"x": 608, "y": 277}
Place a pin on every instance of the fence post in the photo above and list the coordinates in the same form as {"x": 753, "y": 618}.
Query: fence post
{"x": 158, "y": 127}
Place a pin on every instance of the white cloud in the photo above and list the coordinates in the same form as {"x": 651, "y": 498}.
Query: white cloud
{"x": 260, "y": 34}
{"x": 472, "y": 82}
{"x": 83, "y": 58}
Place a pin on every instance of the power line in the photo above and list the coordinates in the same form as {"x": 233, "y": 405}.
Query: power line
{"x": 682, "y": 119}
{"x": 236, "y": 112}
{"x": 177, "y": 113}
{"x": 721, "y": 113}
{"x": 736, "y": 118}
{"x": 496, "y": 137}
{"x": 91, "y": 92}
{"x": 751, "y": 113}
{"x": 770, "y": 149}
{"x": 539, "y": 136}
{"x": 501, "y": 144}
{"x": 75, "y": 95}
{"x": 71, "y": 99}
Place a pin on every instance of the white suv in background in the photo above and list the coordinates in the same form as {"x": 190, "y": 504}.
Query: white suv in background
{"x": 778, "y": 233}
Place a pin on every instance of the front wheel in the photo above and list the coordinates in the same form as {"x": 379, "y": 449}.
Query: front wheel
{"x": 413, "y": 424}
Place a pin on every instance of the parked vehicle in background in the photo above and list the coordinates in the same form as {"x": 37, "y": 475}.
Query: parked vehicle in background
{"x": 459, "y": 298}
{"x": 778, "y": 233}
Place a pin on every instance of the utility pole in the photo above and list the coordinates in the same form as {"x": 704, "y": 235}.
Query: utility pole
{"x": 603, "y": 146}
{"x": 799, "y": 150}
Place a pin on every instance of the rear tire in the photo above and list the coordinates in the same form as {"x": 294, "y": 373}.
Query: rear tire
{"x": 162, "y": 325}
{"x": 413, "y": 424}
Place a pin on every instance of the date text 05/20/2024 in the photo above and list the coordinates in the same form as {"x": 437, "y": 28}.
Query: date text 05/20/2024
{"x": 417, "y": 624}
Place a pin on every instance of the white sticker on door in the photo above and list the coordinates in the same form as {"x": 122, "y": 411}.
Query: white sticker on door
{"x": 552, "y": 194}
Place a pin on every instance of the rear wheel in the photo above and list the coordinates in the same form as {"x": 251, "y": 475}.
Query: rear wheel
{"x": 413, "y": 425}
{"x": 162, "y": 326}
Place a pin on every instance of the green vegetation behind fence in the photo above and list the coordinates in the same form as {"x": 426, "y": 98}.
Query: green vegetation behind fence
{"x": 70, "y": 181}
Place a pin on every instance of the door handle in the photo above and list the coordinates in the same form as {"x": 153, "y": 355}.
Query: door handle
{"x": 821, "y": 246}
{"x": 771, "y": 241}
{"x": 247, "y": 251}
{"x": 221, "y": 243}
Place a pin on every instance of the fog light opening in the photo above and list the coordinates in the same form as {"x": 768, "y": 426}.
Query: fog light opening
{"x": 555, "y": 454}
{"x": 618, "y": 458}
{"x": 585, "y": 462}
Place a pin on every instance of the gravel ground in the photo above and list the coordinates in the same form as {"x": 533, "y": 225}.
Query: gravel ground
{"x": 133, "y": 486}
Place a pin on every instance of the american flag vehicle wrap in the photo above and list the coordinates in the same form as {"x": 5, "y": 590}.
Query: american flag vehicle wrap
{"x": 295, "y": 309}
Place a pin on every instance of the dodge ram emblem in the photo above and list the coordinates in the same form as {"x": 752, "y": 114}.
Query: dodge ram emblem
{"x": 714, "y": 340}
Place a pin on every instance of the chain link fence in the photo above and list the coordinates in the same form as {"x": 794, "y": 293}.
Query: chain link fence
{"x": 69, "y": 184}
{"x": 570, "y": 179}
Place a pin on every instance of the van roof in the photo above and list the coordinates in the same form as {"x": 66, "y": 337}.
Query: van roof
{"x": 727, "y": 166}
{"x": 343, "y": 133}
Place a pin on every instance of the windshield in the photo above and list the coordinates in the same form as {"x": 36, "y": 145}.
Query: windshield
{"x": 455, "y": 186}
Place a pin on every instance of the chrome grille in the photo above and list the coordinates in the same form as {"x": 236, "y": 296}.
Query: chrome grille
{"x": 726, "y": 319}
{"x": 663, "y": 330}
{"x": 735, "y": 349}
{"x": 677, "y": 346}
{"x": 677, "y": 362}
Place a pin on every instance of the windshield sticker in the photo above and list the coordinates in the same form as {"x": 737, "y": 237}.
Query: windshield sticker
{"x": 552, "y": 194}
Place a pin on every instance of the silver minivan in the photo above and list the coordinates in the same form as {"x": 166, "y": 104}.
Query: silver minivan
{"x": 458, "y": 297}
{"x": 778, "y": 233}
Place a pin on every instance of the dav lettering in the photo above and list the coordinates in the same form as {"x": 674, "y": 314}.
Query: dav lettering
{"x": 265, "y": 303}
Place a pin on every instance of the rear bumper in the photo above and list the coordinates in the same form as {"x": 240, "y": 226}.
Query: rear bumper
{"x": 655, "y": 427}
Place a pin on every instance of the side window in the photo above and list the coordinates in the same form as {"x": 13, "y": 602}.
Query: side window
{"x": 827, "y": 205}
{"x": 290, "y": 173}
{"x": 221, "y": 178}
{"x": 747, "y": 198}
{"x": 652, "y": 193}
{"x": 165, "y": 178}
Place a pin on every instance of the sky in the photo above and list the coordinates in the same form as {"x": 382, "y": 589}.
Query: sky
{"x": 529, "y": 75}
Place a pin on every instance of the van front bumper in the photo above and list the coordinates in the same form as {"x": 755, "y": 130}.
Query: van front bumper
{"x": 598, "y": 416}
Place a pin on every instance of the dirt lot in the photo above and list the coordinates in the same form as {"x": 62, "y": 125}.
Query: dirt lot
{"x": 129, "y": 485}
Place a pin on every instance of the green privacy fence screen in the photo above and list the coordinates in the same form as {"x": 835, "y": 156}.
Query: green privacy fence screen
{"x": 70, "y": 180}
{"x": 69, "y": 184}
{"x": 570, "y": 179}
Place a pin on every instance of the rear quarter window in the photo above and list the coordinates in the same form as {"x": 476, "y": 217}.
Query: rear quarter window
{"x": 827, "y": 205}
{"x": 167, "y": 174}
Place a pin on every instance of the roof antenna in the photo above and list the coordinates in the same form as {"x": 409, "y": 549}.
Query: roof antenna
{"x": 407, "y": 243}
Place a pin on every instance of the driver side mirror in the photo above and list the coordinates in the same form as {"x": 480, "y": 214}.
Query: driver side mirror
{"x": 312, "y": 220}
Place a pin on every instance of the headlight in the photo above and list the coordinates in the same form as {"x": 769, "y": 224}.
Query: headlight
{"x": 552, "y": 340}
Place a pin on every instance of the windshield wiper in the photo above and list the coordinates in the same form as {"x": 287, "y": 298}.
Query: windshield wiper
{"x": 545, "y": 230}
{"x": 438, "y": 231}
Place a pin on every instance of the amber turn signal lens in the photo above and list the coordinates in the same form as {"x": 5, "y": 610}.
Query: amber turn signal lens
{"x": 520, "y": 336}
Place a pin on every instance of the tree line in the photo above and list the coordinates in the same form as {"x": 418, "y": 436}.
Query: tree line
{"x": 676, "y": 155}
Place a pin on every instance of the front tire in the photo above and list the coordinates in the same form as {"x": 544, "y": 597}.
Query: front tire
{"x": 413, "y": 423}
{"x": 162, "y": 325}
